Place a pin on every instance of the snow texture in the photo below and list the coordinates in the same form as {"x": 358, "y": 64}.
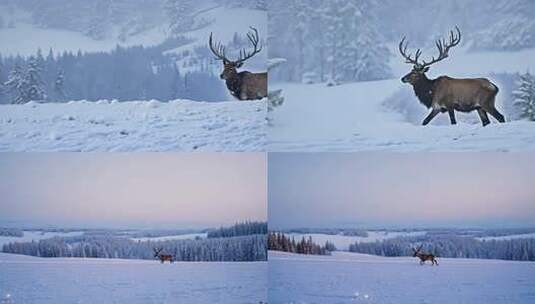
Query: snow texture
{"x": 357, "y": 278}
{"x": 75, "y": 280}
{"x": 179, "y": 125}
{"x": 353, "y": 117}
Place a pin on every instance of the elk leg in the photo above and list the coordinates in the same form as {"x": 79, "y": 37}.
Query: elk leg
{"x": 451, "y": 112}
{"x": 496, "y": 115}
{"x": 431, "y": 115}
{"x": 483, "y": 115}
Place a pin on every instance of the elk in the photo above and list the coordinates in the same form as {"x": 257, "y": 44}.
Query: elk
{"x": 446, "y": 94}
{"x": 163, "y": 257}
{"x": 424, "y": 256}
{"x": 242, "y": 85}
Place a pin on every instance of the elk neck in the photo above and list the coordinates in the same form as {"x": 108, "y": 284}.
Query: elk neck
{"x": 424, "y": 90}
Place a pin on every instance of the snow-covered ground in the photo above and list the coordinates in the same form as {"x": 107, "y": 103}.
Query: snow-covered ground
{"x": 179, "y": 125}
{"x": 508, "y": 237}
{"x": 36, "y": 236}
{"x": 353, "y": 117}
{"x": 30, "y": 280}
{"x": 342, "y": 242}
{"x": 189, "y": 236}
{"x": 357, "y": 278}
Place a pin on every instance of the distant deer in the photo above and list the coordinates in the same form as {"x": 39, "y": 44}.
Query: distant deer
{"x": 163, "y": 257}
{"x": 446, "y": 94}
{"x": 243, "y": 85}
{"x": 424, "y": 256}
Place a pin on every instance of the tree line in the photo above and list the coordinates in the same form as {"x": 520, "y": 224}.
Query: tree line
{"x": 240, "y": 248}
{"x": 451, "y": 246}
{"x": 280, "y": 242}
{"x": 125, "y": 73}
{"x": 238, "y": 229}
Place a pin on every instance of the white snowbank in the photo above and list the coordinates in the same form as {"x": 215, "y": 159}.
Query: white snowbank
{"x": 36, "y": 236}
{"x": 190, "y": 236}
{"x": 78, "y": 280}
{"x": 179, "y": 125}
{"x": 357, "y": 278}
{"x": 508, "y": 237}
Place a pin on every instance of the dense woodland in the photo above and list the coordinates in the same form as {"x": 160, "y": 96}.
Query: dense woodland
{"x": 280, "y": 242}
{"x": 245, "y": 241}
{"x": 239, "y": 229}
{"x": 452, "y": 246}
{"x": 347, "y": 40}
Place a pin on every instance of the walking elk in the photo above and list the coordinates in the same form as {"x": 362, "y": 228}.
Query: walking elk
{"x": 242, "y": 85}
{"x": 424, "y": 256}
{"x": 446, "y": 94}
{"x": 163, "y": 257}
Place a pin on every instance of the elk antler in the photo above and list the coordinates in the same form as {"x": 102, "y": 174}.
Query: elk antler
{"x": 218, "y": 49}
{"x": 403, "y": 51}
{"x": 441, "y": 44}
{"x": 253, "y": 38}
{"x": 444, "y": 47}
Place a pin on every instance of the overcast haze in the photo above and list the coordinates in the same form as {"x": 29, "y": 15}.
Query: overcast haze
{"x": 149, "y": 190}
{"x": 407, "y": 190}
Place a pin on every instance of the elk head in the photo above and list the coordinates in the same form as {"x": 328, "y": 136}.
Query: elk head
{"x": 416, "y": 251}
{"x": 230, "y": 66}
{"x": 420, "y": 68}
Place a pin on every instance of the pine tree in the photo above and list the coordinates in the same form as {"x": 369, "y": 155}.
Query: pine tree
{"x": 59, "y": 91}
{"x": 33, "y": 79}
{"x": 524, "y": 96}
{"x": 16, "y": 85}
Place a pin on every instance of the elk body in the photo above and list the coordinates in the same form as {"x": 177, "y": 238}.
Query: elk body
{"x": 163, "y": 257}
{"x": 424, "y": 256}
{"x": 446, "y": 94}
{"x": 242, "y": 85}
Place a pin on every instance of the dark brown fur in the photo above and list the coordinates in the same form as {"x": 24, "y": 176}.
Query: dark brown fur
{"x": 424, "y": 256}
{"x": 446, "y": 94}
{"x": 163, "y": 257}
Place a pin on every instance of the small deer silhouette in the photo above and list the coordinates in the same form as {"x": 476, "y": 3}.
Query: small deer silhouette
{"x": 424, "y": 256}
{"x": 163, "y": 257}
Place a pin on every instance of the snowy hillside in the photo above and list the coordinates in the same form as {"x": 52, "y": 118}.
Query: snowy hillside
{"x": 62, "y": 39}
{"x": 43, "y": 280}
{"x": 354, "y": 117}
{"x": 357, "y": 278}
{"x": 30, "y": 236}
{"x": 179, "y": 125}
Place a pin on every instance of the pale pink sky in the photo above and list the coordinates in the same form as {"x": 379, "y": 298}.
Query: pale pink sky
{"x": 136, "y": 189}
{"x": 401, "y": 189}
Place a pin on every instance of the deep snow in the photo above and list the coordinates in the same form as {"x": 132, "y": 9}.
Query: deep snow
{"x": 357, "y": 278}
{"x": 353, "y": 117}
{"x": 179, "y": 125}
{"x": 29, "y": 280}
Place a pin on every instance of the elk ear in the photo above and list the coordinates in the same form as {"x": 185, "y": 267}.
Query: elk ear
{"x": 426, "y": 69}
{"x": 239, "y": 65}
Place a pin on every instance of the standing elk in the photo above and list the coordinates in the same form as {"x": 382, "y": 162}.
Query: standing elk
{"x": 424, "y": 256}
{"x": 242, "y": 85}
{"x": 446, "y": 94}
{"x": 163, "y": 257}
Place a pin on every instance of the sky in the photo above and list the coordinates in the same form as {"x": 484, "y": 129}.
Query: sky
{"x": 308, "y": 190}
{"x": 132, "y": 190}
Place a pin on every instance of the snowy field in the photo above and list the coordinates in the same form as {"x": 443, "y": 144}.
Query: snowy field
{"x": 353, "y": 117}
{"x": 179, "y": 125}
{"x": 508, "y": 237}
{"x": 357, "y": 278}
{"x": 27, "y": 279}
{"x": 36, "y": 236}
{"x": 342, "y": 242}
{"x": 189, "y": 236}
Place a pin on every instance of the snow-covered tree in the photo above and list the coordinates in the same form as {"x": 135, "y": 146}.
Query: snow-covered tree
{"x": 17, "y": 86}
{"x": 180, "y": 13}
{"x": 34, "y": 82}
{"x": 524, "y": 96}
